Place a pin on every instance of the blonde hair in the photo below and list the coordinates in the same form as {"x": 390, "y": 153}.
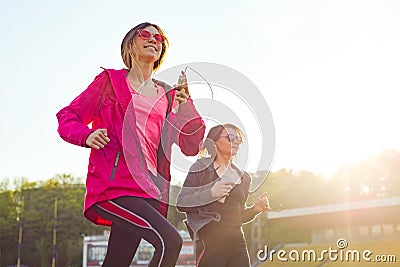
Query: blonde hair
{"x": 127, "y": 42}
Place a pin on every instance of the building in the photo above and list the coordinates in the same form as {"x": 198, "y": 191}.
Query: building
{"x": 360, "y": 233}
{"x": 95, "y": 248}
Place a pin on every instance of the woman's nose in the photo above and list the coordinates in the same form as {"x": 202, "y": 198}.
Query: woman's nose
{"x": 152, "y": 39}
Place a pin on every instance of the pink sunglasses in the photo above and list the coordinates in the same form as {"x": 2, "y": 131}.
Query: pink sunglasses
{"x": 146, "y": 35}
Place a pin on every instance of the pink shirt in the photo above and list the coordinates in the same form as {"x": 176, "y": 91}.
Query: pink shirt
{"x": 150, "y": 116}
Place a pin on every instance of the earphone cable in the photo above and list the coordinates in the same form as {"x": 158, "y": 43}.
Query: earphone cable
{"x": 212, "y": 98}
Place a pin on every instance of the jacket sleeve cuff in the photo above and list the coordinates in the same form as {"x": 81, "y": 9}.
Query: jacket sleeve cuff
{"x": 84, "y": 138}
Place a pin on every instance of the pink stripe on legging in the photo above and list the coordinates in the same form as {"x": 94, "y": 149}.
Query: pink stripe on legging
{"x": 110, "y": 207}
{"x": 201, "y": 254}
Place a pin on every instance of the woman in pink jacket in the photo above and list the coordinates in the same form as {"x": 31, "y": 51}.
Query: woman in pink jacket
{"x": 131, "y": 136}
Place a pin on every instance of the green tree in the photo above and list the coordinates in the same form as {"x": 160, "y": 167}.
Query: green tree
{"x": 374, "y": 177}
{"x": 8, "y": 227}
{"x": 41, "y": 247}
{"x": 290, "y": 189}
{"x": 38, "y": 213}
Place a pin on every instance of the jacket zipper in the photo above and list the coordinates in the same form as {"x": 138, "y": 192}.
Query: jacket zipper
{"x": 115, "y": 165}
{"x": 146, "y": 172}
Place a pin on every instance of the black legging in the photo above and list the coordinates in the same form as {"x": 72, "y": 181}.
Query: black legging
{"x": 222, "y": 246}
{"x": 135, "y": 218}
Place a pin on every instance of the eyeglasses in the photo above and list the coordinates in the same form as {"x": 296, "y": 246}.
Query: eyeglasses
{"x": 233, "y": 138}
{"x": 146, "y": 35}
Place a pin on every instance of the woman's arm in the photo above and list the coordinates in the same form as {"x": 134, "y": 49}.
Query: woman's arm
{"x": 197, "y": 188}
{"x": 189, "y": 128}
{"x": 261, "y": 204}
{"x": 74, "y": 118}
{"x": 249, "y": 213}
{"x": 193, "y": 195}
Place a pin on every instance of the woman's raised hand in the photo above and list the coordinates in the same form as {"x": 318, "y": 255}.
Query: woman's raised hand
{"x": 182, "y": 89}
{"x": 262, "y": 204}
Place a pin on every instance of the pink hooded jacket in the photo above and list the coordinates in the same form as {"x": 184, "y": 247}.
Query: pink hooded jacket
{"x": 119, "y": 169}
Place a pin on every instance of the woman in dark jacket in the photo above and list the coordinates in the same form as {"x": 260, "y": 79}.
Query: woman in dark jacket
{"x": 213, "y": 197}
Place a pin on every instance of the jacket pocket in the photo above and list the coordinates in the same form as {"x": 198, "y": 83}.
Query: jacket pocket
{"x": 115, "y": 165}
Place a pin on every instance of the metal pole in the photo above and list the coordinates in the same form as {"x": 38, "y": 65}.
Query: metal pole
{"x": 53, "y": 260}
{"x": 20, "y": 233}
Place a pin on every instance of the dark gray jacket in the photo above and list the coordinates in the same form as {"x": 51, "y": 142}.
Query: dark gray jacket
{"x": 195, "y": 196}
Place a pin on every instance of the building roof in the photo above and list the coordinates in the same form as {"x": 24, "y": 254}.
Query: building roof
{"x": 345, "y": 206}
{"x": 381, "y": 209}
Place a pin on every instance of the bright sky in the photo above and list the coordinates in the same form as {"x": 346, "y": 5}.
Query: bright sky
{"x": 329, "y": 71}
